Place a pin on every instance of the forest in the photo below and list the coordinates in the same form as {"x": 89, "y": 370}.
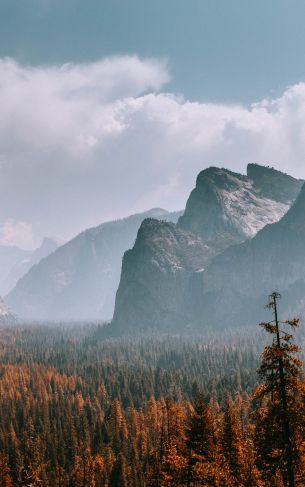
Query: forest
{"x": 222, "y": 409}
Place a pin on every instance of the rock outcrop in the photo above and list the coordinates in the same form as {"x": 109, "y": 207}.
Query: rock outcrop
{"x": 158, "y": 287}
{"x": 226, "y": 208}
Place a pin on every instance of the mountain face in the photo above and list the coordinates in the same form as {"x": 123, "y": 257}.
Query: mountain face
{"x": 236, "y": 284}
{"x": 223, "y": 210}
{"x": 226, "y": 208}
{"x": 23, "y": 262}
{"x": 79, "y": 280}
{"x": 273, "y": 184}
{"x": 159, "y": 277}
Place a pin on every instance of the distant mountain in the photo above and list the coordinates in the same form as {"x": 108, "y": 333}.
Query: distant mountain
{"x": 79, "y": 280}
{"x": 224, "y": 209}
{"x": 24, "y": 263}
{"x": 10, "y": 256}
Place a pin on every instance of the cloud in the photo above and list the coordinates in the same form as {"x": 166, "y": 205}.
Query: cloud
{"x": 16, "y": 233}
{"x": 80, "y": 144}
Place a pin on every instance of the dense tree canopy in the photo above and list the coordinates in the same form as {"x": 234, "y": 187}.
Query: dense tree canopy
{"x": 76, "y": 410}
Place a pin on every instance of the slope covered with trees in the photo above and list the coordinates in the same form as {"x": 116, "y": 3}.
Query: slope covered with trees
{"x": 77, "y": 410}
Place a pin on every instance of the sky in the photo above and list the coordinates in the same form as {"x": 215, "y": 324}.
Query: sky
{"x": 108, "y": 108}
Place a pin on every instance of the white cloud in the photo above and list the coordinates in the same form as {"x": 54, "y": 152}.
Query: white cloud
{"x": 16, "y": 233}
{"x": 83, "y": 143}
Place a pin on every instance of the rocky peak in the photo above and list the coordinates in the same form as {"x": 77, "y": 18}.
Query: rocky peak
{"x": 170, "y": 245}
{"x": 47, "y": 246}
{"x": 217, "y": 177}
{"x": 226, "y": 208}
{"x": 159, "y": 278}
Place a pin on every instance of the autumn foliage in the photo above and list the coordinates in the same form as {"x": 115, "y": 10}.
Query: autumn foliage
{"x": 79, "y": 412}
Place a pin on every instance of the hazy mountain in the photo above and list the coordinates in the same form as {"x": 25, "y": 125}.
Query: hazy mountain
{"x": 10, "y": 256}
{"x": 15, "y": 262}
{"x": 25, "y": 261}
{"x": 225, "y": 208}
{"x": 79, "y": 279}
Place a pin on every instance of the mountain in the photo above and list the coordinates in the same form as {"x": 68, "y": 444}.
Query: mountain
{"x": 79, "y": 280}
{"x": 24, "y": 263}
{"x": 227, "y": 208}
{"x": 159, "y": 277}
{"x": 222, "y": 211}
{"x": 10, "y": 256}
{"x": 236, "y": 284}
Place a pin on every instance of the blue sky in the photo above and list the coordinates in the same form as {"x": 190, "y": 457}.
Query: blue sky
{"x": 238, "y": 50}
{"x": 113, "y": 107}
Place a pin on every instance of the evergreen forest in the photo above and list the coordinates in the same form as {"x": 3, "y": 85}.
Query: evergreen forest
{"x": 78, "y": 409}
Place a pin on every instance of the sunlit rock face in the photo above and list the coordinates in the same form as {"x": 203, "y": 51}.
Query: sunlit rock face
{"x": 227, "y": 208}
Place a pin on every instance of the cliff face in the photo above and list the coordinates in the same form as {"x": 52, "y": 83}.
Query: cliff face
{"x": 236, "y": 284}
{"x": 159, "y": 279}
{"x": 226, "y": 208}
{"x": 219, "y": 263}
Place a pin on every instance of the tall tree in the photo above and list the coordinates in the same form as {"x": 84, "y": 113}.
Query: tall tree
{"x": 201, "y": 436}
{"x": 280, "y": 417}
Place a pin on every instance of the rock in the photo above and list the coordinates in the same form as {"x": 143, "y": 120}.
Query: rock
{"x": 158, "y": 287}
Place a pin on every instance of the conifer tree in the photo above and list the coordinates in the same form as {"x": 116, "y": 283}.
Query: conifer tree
{"x": 201, "y": 437}
{"x": 280, "y": 416}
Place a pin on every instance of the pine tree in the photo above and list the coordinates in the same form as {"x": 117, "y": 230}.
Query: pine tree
{"x": 280, "y": 416}
{"x": 201, "y": 437}
{"x": 201, "y": 431}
